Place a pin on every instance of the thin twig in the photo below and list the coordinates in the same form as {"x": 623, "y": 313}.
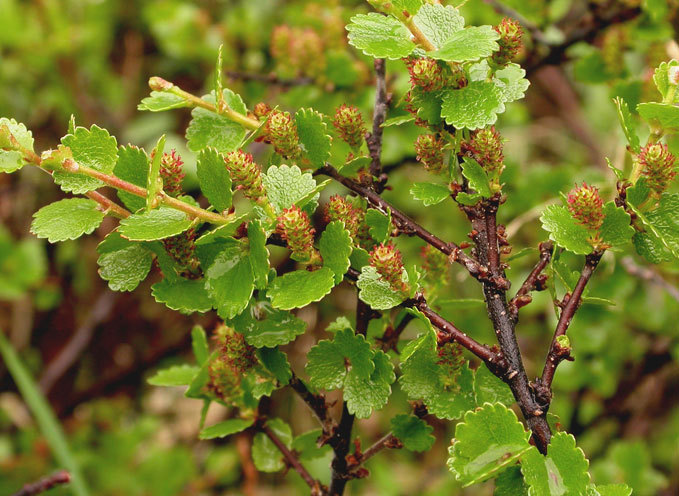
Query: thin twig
{"x": 374, "y": 139}
{"x": 315, "y": 402}
{"x": 44, "y": 484}
{"x": 386, "y": 442}
{"x": 649, "y": 275}
{"x": 533, "y": 281}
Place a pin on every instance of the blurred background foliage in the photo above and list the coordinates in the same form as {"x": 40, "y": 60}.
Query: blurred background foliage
{"x": 91, "y": 350}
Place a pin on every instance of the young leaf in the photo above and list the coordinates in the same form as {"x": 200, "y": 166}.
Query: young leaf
{"x": 438, "y": 23}
{"x": 564, "y": 230}
{"x": 66, "y": 219}
{"x": 12, "y": 160}
{"x": 336, "y": 246}
{"x": 276, "y": 362}
{"x": 230, "y": 281}
{"x": 159, "y": 101}
{"x": 217, "y": 131}
{"x": 286, "y": 185}
{"x": 122, "y": 263}
{"x": 413, "y": 432}
{"x": 154, "y": 182}
{"x": 375, "y": 291}
{"x": 329, "y": 362}
{"x": 158, "y": 223}
{"x": 661, "y": 225}
{"x": 379, "y": 225}
{"x": 665, "y": 114}
{"x": 93, "y": 148}
{"x": 510, "y": 483}
{"x": 365, "y": 395}
{"x": 488, "y": 440}
{"x": 299, "y": 288}
{"x": 489, "y": 389}
{"x": 471, "y": 43}
{"x": 380, "y": 36}
{"x": 661, "y": 78}
{"x": 259, "y": 254}
{"x": 225, "y": 428}
{"x": 265, "y": 326}
{"x": 266, "y": 456}
{"x": 199, "y": 345}
{"x": 214, "y": 179}
{"x": 184, "y": 295}
{"x": 313, "y": 136}
{"x": 474, "y": 106}
{"x": 562, "y": 471}
{"x": 512, "y": 82}
{"x": 177, "y": 375}
{"x": 477, "y": 177}
{"x": 627, "y": 124}
{"x": 429, "y": 193}
{"x": 616, "y": 230}
{"x": 133, "y": 167}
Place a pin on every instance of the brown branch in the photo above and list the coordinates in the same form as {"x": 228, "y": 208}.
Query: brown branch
{"x": 407, "y": 225}
{"x": 534, "y": 281}
{"x": 45, "y": 484}
{"x": 316, "y": 403}
{"x": 649, "y": 275}
{"x": 292, "y": 460}
{"x": 386, "y": 442}
{"x": 557, "y": 352}
{"x": 374, "y": 139}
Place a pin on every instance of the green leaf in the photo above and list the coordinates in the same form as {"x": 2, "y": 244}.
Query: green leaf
{"x": 471, "y": 43}
{"x": 379, "y": 225}
{"x": 199, "y": 344}
{"x": 276, "y": 362}
{"x": 286, "y": 185}
{"x": 380, "y": 36}
{"x": 43, "y": 414}
{"x": 429, "y": 193}
{"x": 133, "y": 167}
{"x": 627, "y": 124}
{"x": 217, "y": 131}
{"x": 365, "y": 395}
{"x": 230, "y": 281}
{"x": 438, "y": 23}
{"x": 93, "y": 148}
{"x": 616, "y": 230}
{"x": 12, "y": 160}
{"x": 336, "y": 247}
{"x": 662, "y": 223}
{"x": 259, "y": 254}
{"x": 488, "y": 440}
{"x": 162, "y": 100}
{"x": 665, "y": 114}
{"x": 488, "y": 388}
{"x": 299, "y": 288}
{"x": 225, "y": 428}
{"x": 564, "y": 230}
{"x": 562, "y": 471}
{"x": 413, "y": 432}
{"x": 614, "y": 490}
{"x": 510, "y": 483}
{"x": 159, "y": 223}
{"x": 393, "y": 121}
{"x": 178, "y": 375}
{"x": 662, "y": 80}
{"x": 222, "y": 232}
{"x": 214, "y": 179}
{"x": 474, "y": 106}
{"x": 265, "y": 454}
{"x": 468, "y": 199}
{"x": 375, "y": 291}
{"x": 184, "y": 295}
{"x": 477, "y": 177}
{"x": 651, "y": 248}
{"x": 66, "y": 219}
{"x": 313, "y": 136}
{"x": 512, "y": 82}
{"x": 262, "y": 325}
{"x": 124, "y": 264}
{"x": 307, "y": 445}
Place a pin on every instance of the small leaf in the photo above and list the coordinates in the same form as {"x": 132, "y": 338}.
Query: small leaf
{"x": 379, "y": 225}
{"x": 12, "y": 160}
{"x": 562, "y": 471}
{"x": 178, "y": 375}
{"x": 93, "y": 148}
{"x": 468, "y": 199}
{"x": 661, "y": 226}
{"x": 468, "y": 44}
{"x": 375, "y": 291}
{"x": 159, "y": 223}
{"x": 184, "y": 295}
{"x": 661, "y": 76}
{"x": 362, "y": 395}
{"x": 616, "y": 230}
{"x": 266, "y": 456}
{"x": 614, "y": 490}
{"x": 393, "y": 121}
{"x": 413, "y": 432}
{"x": 489, "y": 389}
{"x": 154, "y": 182}
{"x": 217, "y": 131}
{"x": 159, "y": 101}
{"x": 512, "y": 82}
{"x": 429, "y": 193}
{"x": 336, "y": 247}
{"x": 66, "y": 219}
{"x": 265, "y": 326}
{"x": 225, "y": 428}
{"x": 380, "y": 36}
{"x": 133, "y": 167}
{"x": 438, "y": 23}
{"x": 488, "y": 440}
{"x": 199, "y": 344}
{"x": 214, "y": 179}
{"x": 124, "y": 264}
{"x": 286, "y": 185}
{"x": 477, "y": 177}
{"x": 313, "y": 136}
{"x": 230, "y": 282}
{"x": 299, "y": 288}
{"x": 564, "y": 230}
{"x": 259, "y": 254}
{"x": 276, "y": 362}
{"x": 627, "y": 124}
{"x": 510, "y": 483}
{"x": 474, "y": 106}
{"x": 665, "y": 114}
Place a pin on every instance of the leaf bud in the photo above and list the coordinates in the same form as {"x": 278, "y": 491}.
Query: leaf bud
{"x": 349, "y": 124}
{"x": 510, "y": 41}
{"x": 429, "y": 150}
{"x": 245, "y": 174}
{"x": 586, "y": 206}
{"x": 657, "y": 166}
{"x": 159, "y": 84}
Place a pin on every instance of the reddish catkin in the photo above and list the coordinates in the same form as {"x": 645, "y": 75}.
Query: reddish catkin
{"x": 425, "y": 73}
{"x": 182, "y": 248}
{"x": 658, "y": 166}
{"x": 172, "y": 173}
{"x": 451, "y": 361}
{"x": 235, "y": 358}
{"x": 349, "y": 124}
{"x": 245, "y": 174}
{"x": 434, "y": 263}
{"x": 586, "y": 206}
{"x": 387, "y": 260}
{"x": 281, "y": 131}
{"x": 510, "y": 41}
{"x": 295, "y": 228}
{"x": 485, "y": 146}
{"x": 429, "y": 150}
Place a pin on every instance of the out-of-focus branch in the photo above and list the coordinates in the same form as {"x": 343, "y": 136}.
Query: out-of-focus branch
{"x": 649, "y": 275}
{"x": 45, "y": 484}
